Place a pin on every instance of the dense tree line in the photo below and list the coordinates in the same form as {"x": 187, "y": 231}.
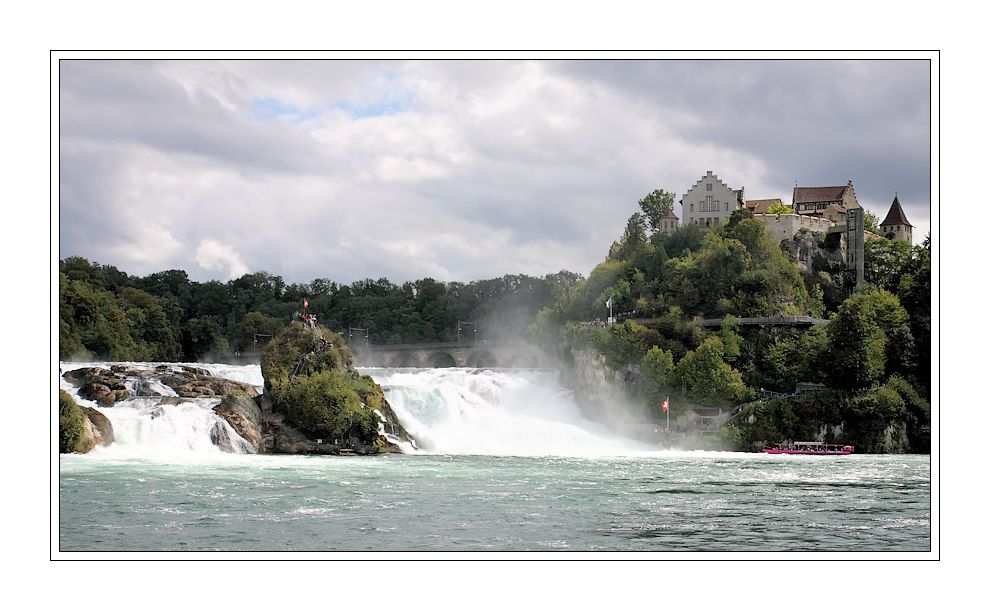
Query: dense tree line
{"x": 106, "y": 313}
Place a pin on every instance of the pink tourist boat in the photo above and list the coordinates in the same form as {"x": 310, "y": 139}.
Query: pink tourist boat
{"x": 811, "y": 448}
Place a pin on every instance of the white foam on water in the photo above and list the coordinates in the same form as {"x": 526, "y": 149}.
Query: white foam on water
{"x": 144, "y": 429}
{"x": 496, "y": 412}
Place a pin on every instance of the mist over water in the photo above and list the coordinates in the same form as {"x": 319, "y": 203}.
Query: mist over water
{"x": 496, "y": 412}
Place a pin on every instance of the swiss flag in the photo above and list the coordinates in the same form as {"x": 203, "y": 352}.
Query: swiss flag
{"x": 305, "y": 303}
{"x": 666, "y": 403}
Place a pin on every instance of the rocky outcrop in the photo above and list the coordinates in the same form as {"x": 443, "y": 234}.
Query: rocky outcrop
{"x": 278, "y": 436}
{"x": 102, "y": 386}
{"x": 391, "y": 426}
{"x": 243, "y": 415}
{"x": 106, "y": 387}
{"x": 195, "y": 383}
{"x": 97, "y": 428}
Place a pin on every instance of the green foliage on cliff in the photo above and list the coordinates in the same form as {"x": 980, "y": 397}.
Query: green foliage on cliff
{"x": 709, "y": 379}
{"x": 668, "y": 281}
{"x": 317, "y": 388}
{"x": 893, "y": 418}
{"x": 70, "y": 425}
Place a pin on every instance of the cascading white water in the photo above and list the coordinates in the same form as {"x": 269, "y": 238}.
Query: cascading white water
{"x": 495, "y": 412}
{"x": 143, "y": 428}
{"x": 506, "y": 412}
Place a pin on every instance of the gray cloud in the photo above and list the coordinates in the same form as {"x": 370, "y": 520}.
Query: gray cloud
{"x": 454, "y": 170}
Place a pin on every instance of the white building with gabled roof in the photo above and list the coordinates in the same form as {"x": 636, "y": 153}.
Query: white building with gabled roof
{"x": 710, "y": 202}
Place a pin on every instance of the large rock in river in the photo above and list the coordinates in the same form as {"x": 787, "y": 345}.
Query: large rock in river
{"x": 243, "y": 415}
{"x": 97, "y": 427}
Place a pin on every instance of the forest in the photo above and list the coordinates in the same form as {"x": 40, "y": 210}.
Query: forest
{"x": 105, "y": 313}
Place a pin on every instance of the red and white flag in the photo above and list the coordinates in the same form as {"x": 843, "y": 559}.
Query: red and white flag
{"x": 305, "y": 303}
{"x": 666, "y": 404}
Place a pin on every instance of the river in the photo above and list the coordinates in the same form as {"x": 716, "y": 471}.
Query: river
{"x": 505, "y": 462}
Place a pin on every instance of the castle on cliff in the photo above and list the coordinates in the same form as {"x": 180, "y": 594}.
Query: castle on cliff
{"x": 816, "y": 210}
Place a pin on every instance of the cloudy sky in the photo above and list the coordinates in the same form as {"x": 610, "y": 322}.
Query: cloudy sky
{"x": 454, "y": 170}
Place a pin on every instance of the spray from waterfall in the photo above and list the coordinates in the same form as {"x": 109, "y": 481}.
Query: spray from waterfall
{"x": 496, "y": 412}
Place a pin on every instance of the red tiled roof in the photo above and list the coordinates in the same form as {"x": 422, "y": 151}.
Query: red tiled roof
{"x": 896, "y": 215}
{"x": 759, "y": 206}
{"x": 669, "y": 214}
{"x": 807, "y": 195}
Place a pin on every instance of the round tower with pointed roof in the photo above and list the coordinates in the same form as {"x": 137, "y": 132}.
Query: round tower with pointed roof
{"x": 896, "y": 225}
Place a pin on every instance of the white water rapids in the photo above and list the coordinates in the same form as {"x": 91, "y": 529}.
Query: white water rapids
{"x": 144, "y": 429}
{"x": 505, "y": 412}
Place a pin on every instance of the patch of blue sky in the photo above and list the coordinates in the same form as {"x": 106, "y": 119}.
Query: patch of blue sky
{"x": 388, "y": 93}
{"x": 267, "y": 110}
{"x": 385, "y": 94}
{"x": 375, "y": 109}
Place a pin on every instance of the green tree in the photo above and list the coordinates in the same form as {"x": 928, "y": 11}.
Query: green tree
{"x": 655, "y": 205}
{"x": 884, "y": 261}
{"x": 633, "y": 240}
{"x": 871, "y": 222}
{"x": 857, "y": 339}
{"x": 710, "y": 380}
{"x": 779, "y": 208}
{"x": 256, "y": 327}
{"x": 656, "y": 372}
{"x": 202, "y": 336}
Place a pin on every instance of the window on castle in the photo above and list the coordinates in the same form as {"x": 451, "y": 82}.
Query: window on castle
{"x": 708, "y": 187}
{"x": 692, "y": 207}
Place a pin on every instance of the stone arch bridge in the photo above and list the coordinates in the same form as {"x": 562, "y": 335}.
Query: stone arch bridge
{"x": 450, "y": 354}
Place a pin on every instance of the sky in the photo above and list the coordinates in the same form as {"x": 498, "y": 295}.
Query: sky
{"x": 455, "y": 170}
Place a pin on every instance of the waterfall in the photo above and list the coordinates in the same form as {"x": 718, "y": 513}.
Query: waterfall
{"x": 144, "y": 426}
{"x": 495, "y": 412}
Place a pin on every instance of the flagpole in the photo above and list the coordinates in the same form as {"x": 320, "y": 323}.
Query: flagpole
{"x": 668, "y": 413}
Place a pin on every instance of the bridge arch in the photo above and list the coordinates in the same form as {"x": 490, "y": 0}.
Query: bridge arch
{"x": 441, "y": 358}
{"x": 482, "y": 358}
{"x": 404, "y": 359}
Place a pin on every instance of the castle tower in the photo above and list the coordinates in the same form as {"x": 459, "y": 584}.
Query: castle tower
{"x": 896, "y": 225}
{"x": 856, "y": 243}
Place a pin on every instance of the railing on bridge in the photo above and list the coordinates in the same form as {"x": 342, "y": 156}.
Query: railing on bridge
{"x": 793, "y": 321}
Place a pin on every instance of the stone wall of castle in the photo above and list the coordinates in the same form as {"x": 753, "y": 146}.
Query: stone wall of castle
{"x": 785, "y": 226}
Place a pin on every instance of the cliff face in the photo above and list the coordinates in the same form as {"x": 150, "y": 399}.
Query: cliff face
{"x": 603, "y": 394}
{"x": 805, "y": 246}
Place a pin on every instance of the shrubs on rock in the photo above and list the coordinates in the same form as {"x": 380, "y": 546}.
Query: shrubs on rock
{"x": 310, "y": 378}
{"x": 71, "y": 431}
